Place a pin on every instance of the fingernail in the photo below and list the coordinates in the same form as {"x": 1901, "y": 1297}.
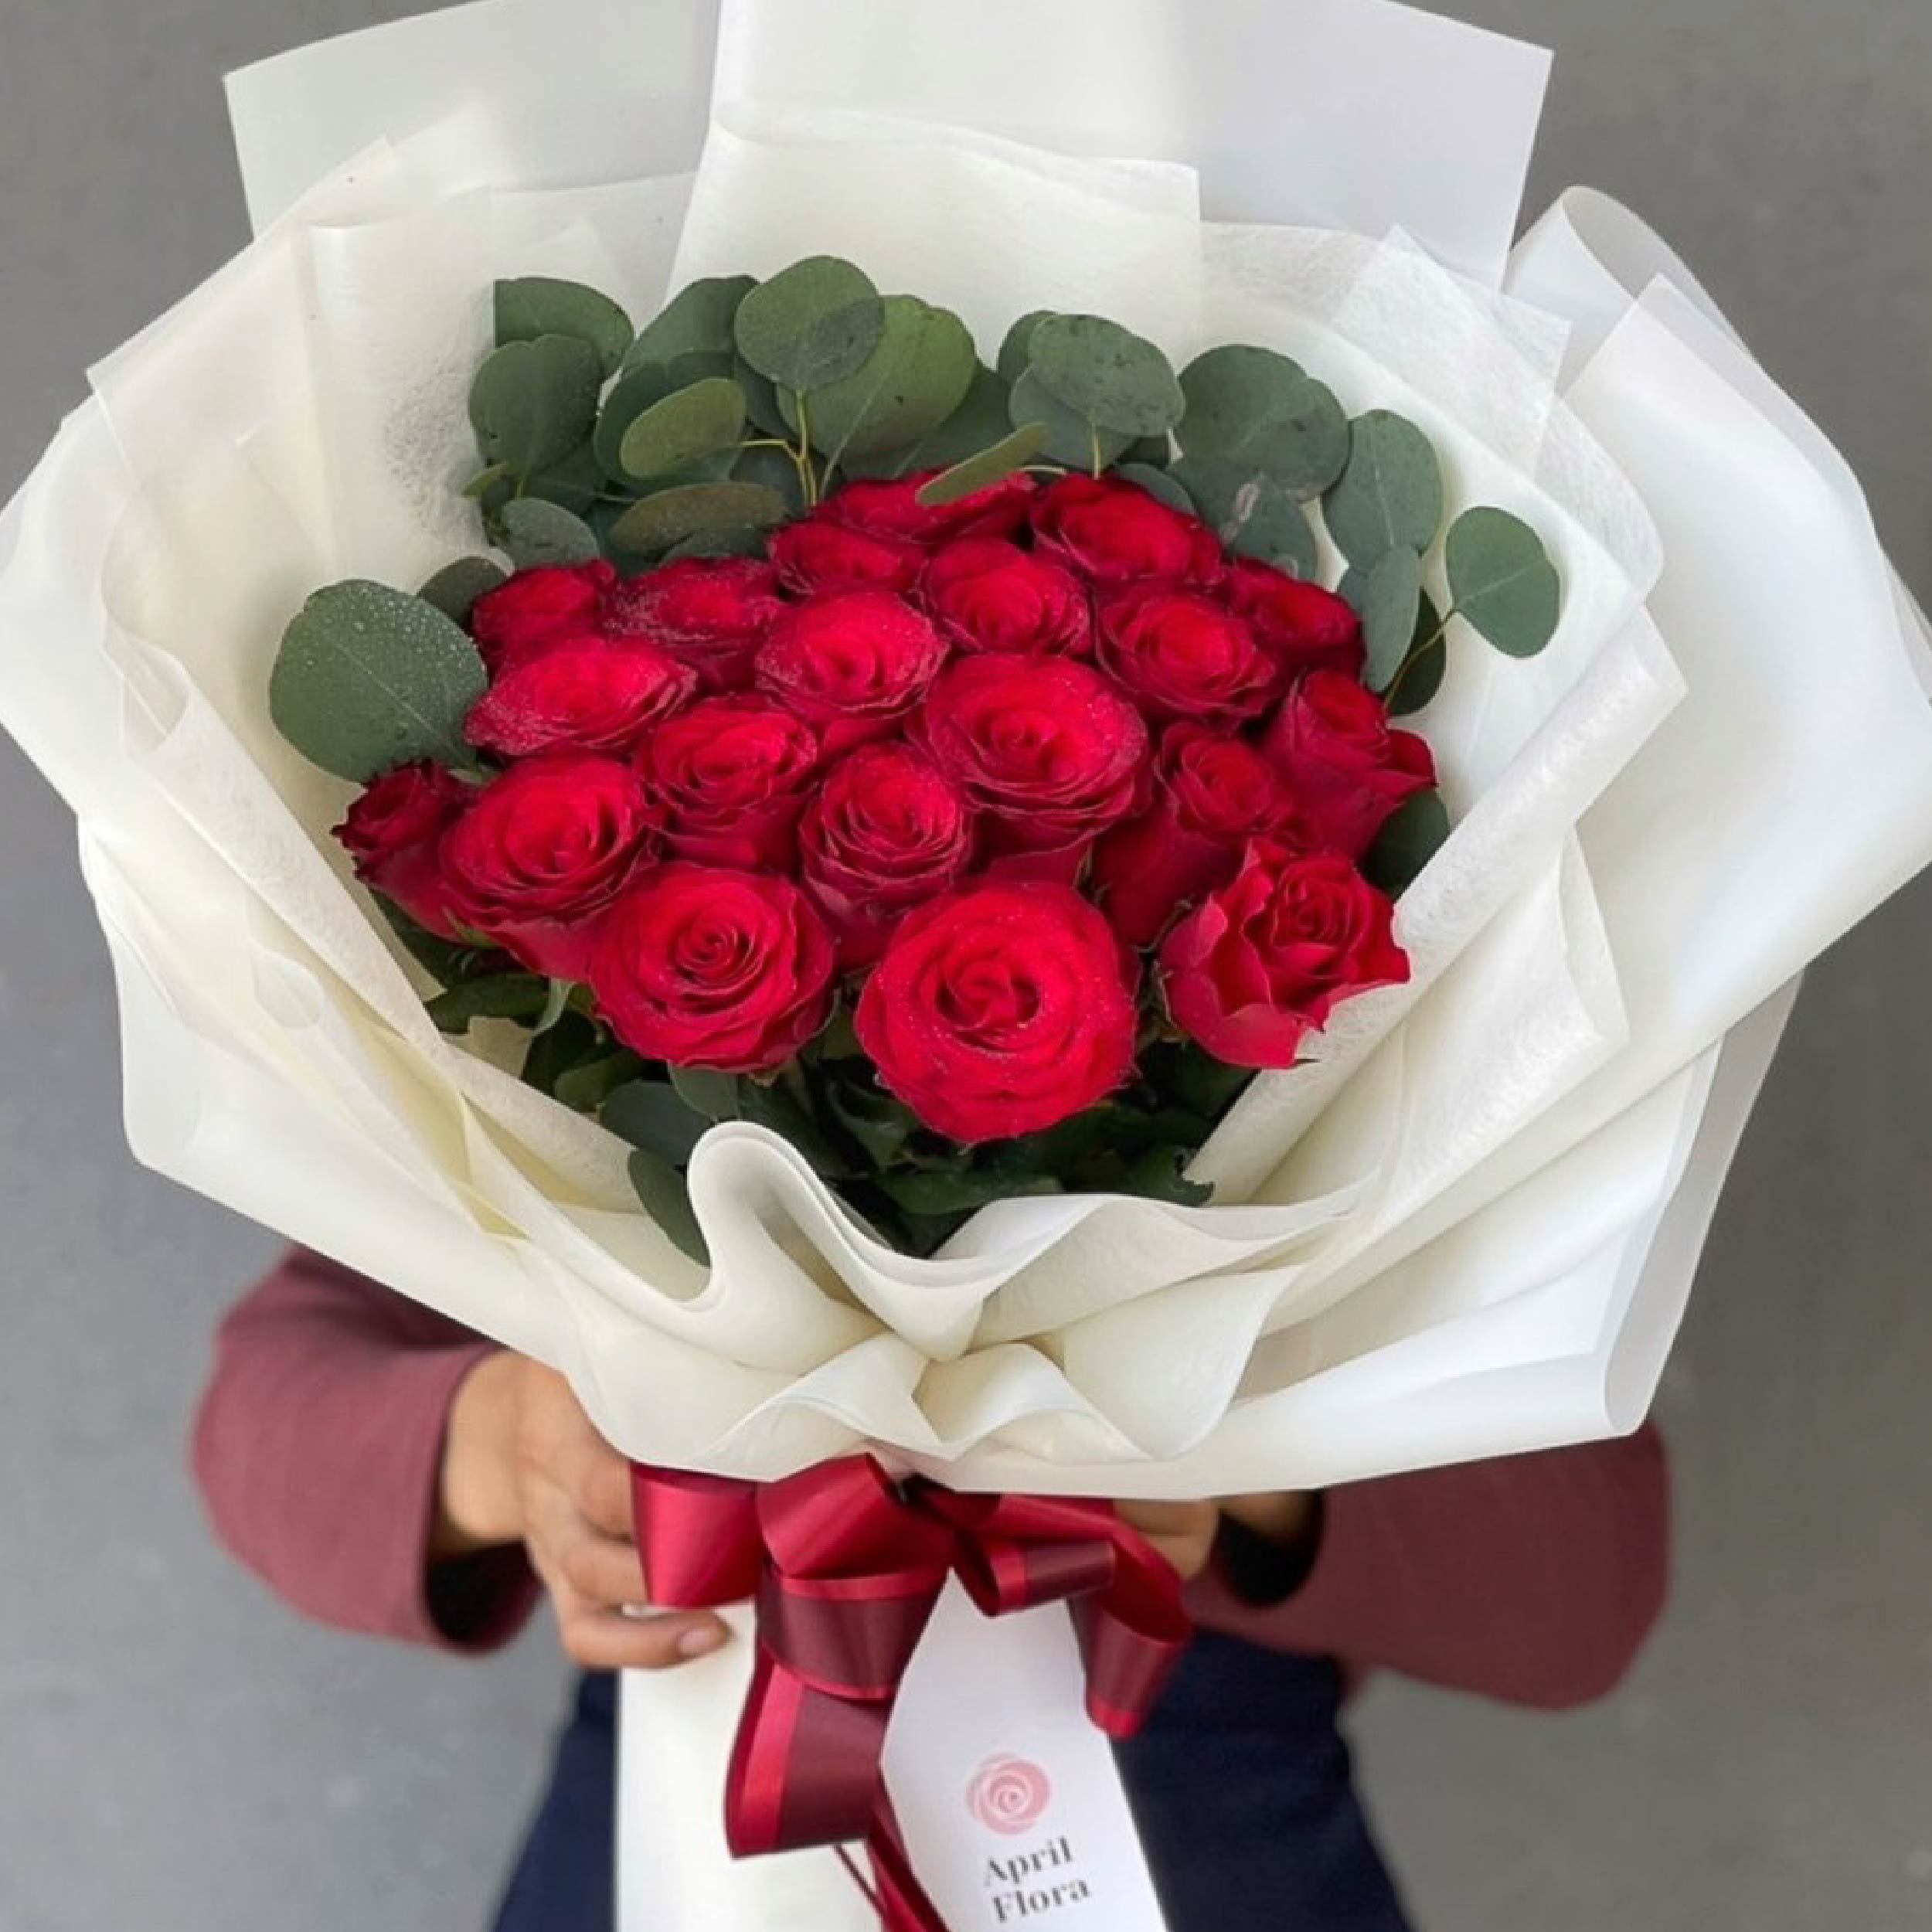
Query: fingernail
{"x": 702, "y": 1641}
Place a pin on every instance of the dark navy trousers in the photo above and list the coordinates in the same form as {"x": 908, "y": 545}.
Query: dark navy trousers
{"x": 1239, "y": 1782}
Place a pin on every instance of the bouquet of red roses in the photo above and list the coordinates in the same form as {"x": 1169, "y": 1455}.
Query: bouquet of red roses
{"x": 980, "y": 829}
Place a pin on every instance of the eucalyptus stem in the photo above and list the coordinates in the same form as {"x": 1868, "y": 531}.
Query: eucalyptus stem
{"x": 1416, "y": 652}
{"x": 808, "y": 478}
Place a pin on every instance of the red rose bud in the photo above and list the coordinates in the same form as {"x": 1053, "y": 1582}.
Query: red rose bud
{"x": 893, "y": 510}
{"x": 887, "y": 832}
{"x": 988, "y": 595}
{"x": 1183, "y": 656}
{"x": 1000, "y": 1010}
{"x": 1212, "y": 794}
{"x": 1048, "y": 749}
{"x": 850, "y": 665}
{"x": 705, "y": 966}
{"x": 1114, "y": 534}
{"x": 545, "y": 848}
{"x": 535, "y": 608}
{"x": 394, "y": 832}
{"x": 711, "y": 613}
{"x": 1307, "y": 628}
{"x": 1348, "y": 770}
{"x": 583, "y": 694}
{"x": 730, "y": 777}
{"x": 818, "y": 558}
{"x": 1261, "y": 963}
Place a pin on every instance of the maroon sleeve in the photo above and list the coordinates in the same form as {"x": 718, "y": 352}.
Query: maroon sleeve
{"x": 318, "y": 1448}
{"x": 1533, "y": 1578}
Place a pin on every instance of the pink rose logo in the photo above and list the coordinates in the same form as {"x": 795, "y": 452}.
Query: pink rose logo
{"x": 1008, "y": 1794}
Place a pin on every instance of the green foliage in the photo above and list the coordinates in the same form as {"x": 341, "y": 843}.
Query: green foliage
{"x": 683, "y": 429}
{"x": 522, "y": 996}
{"x": 656, "y": 523}
{"x": 1106, "y": 374}
{"x": 1255, "y": 407}
{"x": 536, "y": 532}
{"x": 813, "y": 324}
{"x": 537, "y": 306}
{"x": 533, "y": 403}
{"x": 1413, "y": 834}
{"x": 1502, "y": 582}
{"x": 698, "y": 320}
{"x": 1250, "y": 513}
{"x": 1391, "y": 597}
{"x": 652, "y": 1115}
{"x": 1389, "y": 495}
{"x": 455, "y": 588}
{"x": 1013, "y": 451}
{"x": 666, "y": 1199}
{"x": 918, "y": 373}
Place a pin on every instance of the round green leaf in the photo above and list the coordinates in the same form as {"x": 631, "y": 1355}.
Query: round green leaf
{"x": 812, "y": 324}
{"x": 1391, "y": 594}
{"x": 913, "y": 381}
{"x": 1502, "y": 581}
{"x": 1258, "y": 407}
{"x": 761, "y": 399}
{"x": 368, "y": 678}
{"x": 1014, "y": 450}
{"x": 684, "y": 428}
{"x": 521, "y": 996}
{"x": 652, "y": 1115}
{"x": 1158, "y": 484}
{"x": 1071, "y": 438}
{"x": 980, "y": 421}
{"x": 1015, "y": 351}
{"x": 533, "y": 403}
{"x": 739, "y": 542}
{"x": 455, "y": 588}
{"x": 633, "y": 393}
{"x": 1389, "y": 494}
{"x": 574, "y": 484}
{"x": 536, "y": 306}
{"x": 1250, "y": 512}
{"x": 1410, "y": 837}
{"x": 535, "y": 533}
{"x": 697, "y": 509}
{"x": 697, "y": 320}
{"x": 665, "y": 1195}
{"x": 713, "y": 1094}
{"x": 1105, "y": 373}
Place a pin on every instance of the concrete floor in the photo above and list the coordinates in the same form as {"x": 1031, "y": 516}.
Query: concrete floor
{"x": 180, "y": 1754}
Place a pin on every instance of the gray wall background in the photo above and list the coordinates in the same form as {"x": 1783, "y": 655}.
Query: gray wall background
{"x": 177, "y": 1753}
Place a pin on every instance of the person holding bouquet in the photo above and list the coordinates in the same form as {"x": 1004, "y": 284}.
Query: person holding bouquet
{"x": 387, "y": 1471}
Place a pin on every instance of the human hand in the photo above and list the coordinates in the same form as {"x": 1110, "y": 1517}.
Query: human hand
{"x": 1185, "y": 1532}
{"x": 521, "y": 1463}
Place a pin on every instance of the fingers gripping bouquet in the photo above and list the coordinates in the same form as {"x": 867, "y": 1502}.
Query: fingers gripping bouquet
{"x": 953, "y": 914}
{"x": 978, "y": 829}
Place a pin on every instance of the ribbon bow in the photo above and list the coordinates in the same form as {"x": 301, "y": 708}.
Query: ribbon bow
{"x": 844, "y": 1566}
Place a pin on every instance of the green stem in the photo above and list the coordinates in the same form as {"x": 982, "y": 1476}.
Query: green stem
{"x": 808, "y": 478}
{"x": 1415, "y": 653}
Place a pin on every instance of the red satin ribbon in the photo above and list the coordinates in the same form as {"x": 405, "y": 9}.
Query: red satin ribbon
{"x": 844, "y": 1566}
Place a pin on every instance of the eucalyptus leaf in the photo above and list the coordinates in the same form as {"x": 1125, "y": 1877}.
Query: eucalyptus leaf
{"x": 1191, "y": 1077}
{"x": 537, "y": 305}
{"x": 587, "y": 1083}
{"x": 1159, "y": 485}
{"x": 1257, "y": 407}
{"x": 1391, "y": 597}
{"x": 918, "y": 374}
{"x": 1158, "y": 1175}
{"x": 1502, "y": 582}
{"x": 1013, "y": 451}
{"x": 936, "y": 1193}
{"x": 1105, "y": 373}
{"x": 666, "y": 1197}
{"x": 774, "y": 1106}
{"x": 1015, "y": 351}
{"x": 697, "y": 509}
{"x": 980, "y": 421}
{"x": 448, "y": 961}
{"x": 652, "y": 1115}
{"x": 633, "y": 393}
{"x": 761, "y": 400}
{"x": 574, "y": 484}
{"x": 775, "y": 470}
{"x": 1410, "y": 837}
{"x": 555, "y": 1051}
{"x": 812, "y": 324}
{"x": 1250, "y": 513}
{"x": 456, "y": 588}
{"x": 707, "y": 1091}
{"x": 738, "y": 541}
{"x": 1428, "y": 663}
{"x": 684, "y": 428}
{"x": 1071, "y": 439}
{"x": 881, "y": 1124}
{"x": 533, "y": 403}
{"x": 696, "y": 320}
{"x": 535, "y": 532}
{"x": 368, "y": 678}
{"x": 1389, "y": 494}
{"x": 503, "y": 996}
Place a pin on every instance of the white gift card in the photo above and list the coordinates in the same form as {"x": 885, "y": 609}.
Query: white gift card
{"x": 1008, "y": 1793}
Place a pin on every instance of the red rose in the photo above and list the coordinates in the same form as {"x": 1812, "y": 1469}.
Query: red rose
{"x": 704, "y": 966}
{"x": 1000, "y": 1010}
{"x": 892, "y": 511}
{"x": 394, "y": 832}
{"x": 1331, "y": 740}
{"x": 1261, "y": 963}
{"x": 815, "y": 557}
{"x": 988, "y": 595}
{"x": 545, "y": 848}
{"x": 1212, "y": 794}
{"x": 730, "y": 775}
{"x": 1048, "y": 748}
{"x": 1114, "y": 533}
{"x": 535, "y": 608}
{"x": 1183, "y": 656}
{"x": 1307, "y": 628}
{"x": 850, "y": 664}
{"x": 885, "y": 832}
{"x": 582, "y": 694}
{"x": 711, "y": 613}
